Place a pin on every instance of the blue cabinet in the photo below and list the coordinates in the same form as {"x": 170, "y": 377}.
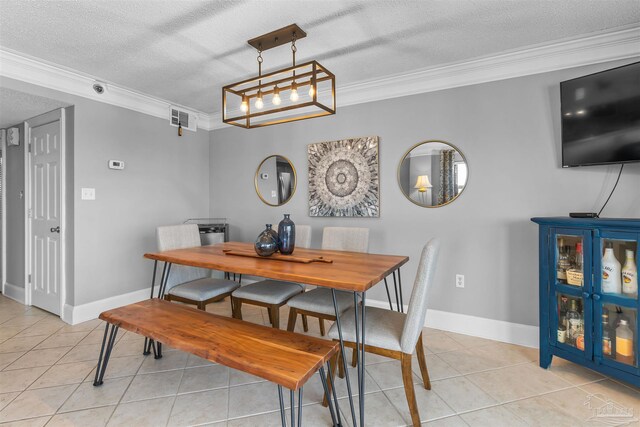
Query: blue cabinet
{"x": 588, "y": 313}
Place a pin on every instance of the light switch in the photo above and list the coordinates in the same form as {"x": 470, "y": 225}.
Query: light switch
{"x": 88, "y": 194}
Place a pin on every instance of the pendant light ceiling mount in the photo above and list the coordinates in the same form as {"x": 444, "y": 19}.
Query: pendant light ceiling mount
{"x": 275, "y": 97}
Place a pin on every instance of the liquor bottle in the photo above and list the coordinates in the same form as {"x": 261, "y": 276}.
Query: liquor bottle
{"x": 579, "y": 256}
{"x": 611, "y": 279}
{"x": 564, "y": 263}
{"x": 562, "y": 260}
{"x": 630, "y": 275}
{"x": 624, "y": 343}
{"x": 574, "y": 320}
{"x": 607, "y": 335}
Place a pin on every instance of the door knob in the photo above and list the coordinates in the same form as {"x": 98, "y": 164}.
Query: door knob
{"x": 596, "y": 297}
{"x": 55, "y": 230}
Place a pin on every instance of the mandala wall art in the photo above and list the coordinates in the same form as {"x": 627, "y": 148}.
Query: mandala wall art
{"x": 343, "y": 178}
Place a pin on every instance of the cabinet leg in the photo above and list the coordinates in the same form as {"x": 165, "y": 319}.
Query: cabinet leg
{"x": 545, "y": 360}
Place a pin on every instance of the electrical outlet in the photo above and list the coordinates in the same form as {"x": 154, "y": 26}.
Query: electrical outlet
{"x": 459, "y": 280}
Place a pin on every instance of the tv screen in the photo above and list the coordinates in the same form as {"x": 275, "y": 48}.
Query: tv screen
{"x": 601, "y": 117}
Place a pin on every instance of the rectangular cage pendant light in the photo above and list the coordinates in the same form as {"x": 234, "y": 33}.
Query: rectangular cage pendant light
{"x": 302, "y": 91}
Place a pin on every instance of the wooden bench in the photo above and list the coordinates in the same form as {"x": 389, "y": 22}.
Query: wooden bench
{"x": 285, "y": 358}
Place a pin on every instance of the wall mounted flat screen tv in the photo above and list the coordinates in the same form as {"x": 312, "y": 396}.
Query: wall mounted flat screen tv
{"x": 601, "y": 117}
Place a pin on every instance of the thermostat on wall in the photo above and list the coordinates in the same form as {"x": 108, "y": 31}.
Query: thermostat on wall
{"x": 116, "y": 164}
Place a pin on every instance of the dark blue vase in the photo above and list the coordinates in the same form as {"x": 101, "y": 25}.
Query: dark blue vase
{"x": 267, "y": 242}
{"x": 286, "y": 235}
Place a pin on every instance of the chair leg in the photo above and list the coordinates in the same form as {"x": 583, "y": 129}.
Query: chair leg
{"x": 422, "y": 361}
{"x": 340, "y": 366}
{"x": 269, "y": 313}
{"x": 293, "y": 316}
{"x": 407, "y": 379}
{"x": 202, "y": 306}
{"x": 354, "y": 358}
{"x": 236, "y": 308}
{"x": 275, "y": 316}
{"x": 305, "y": 325}
{"x": 321, "y": 321}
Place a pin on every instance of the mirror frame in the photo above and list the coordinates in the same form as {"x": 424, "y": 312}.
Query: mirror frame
{"x": 295, "y": 180}
{"x": 404, "y": 156}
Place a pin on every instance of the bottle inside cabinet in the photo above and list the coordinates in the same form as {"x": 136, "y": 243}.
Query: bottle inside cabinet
{"x": 619, "y": 342}
{"x": 618, "y": 278}
{"x": 570, "y": 321}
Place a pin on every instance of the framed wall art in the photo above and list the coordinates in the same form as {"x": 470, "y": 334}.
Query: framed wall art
{"x": 343, "y": 178}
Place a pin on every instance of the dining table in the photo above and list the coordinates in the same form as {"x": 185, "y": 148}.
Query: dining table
{"x": 353, "y": 272}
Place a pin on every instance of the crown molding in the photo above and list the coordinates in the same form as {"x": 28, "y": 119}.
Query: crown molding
{"x": 20, "y": 67}
{"x": 592, "y": 49}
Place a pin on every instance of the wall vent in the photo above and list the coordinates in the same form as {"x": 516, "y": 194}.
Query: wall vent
{"x": 187, "y": 119}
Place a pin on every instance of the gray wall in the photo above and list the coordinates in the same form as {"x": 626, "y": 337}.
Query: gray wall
{"x": 165, "y": 182}
{"x": 510, "y": 134}
{"x": 15, "y": 211}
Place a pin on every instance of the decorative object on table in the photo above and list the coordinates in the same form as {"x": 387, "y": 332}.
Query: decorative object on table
{"x": 275, "y": 180}
{"x": 343, "y": 178}
{"x": 439, "y": 171}
{"x": 298, "y": 92}
{"x": 286, "y": 235}
{"x": 267, "y": 242}
{"x": 279, "y": 257}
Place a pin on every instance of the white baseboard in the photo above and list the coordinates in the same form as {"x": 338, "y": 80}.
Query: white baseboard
{"x": 81, "y": 313}
{"x": 14, "y": 292}
{"x": 498, "y": 330}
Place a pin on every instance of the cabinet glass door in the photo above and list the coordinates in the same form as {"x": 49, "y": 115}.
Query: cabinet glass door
{"x": 571, "y": 308}
{"x": 616, "y": 300}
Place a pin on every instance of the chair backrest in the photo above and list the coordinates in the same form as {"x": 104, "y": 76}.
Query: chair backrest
{"x": 353, "y": 239}
{"x": 303, "y": 236}
{"x": 418, "y": 303}
{"x": 179, "y": 237}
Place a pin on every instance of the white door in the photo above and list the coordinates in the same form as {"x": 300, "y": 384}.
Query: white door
{"x": 45, "y": 217}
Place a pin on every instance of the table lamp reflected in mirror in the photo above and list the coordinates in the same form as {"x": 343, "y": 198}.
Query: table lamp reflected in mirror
{"x": 422, "y": 185}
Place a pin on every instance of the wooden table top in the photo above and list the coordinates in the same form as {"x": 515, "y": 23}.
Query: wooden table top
{"x": 350, "y": 271}
{"x": 285, "y": 358}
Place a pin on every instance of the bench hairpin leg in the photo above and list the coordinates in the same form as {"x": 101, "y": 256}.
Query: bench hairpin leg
{"x": 105, "y": 353}
{"x": 344, "y": 359}
{"x": 323, "y": 378}
{"x": 282, "y": 414}
{"x": 153, "y": 284}
{"x": 386, "y": 286}
{"x": 400, "y": 286}
{"x": 359, "y": 353}
{"x": 163, "y": 288}
{"x": 293, "y": 407}
{"x": 299, "y": 407}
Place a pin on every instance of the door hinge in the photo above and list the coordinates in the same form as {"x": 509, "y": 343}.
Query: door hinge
{"x": 29, "y": 278}
{"x": 29, "y": 147}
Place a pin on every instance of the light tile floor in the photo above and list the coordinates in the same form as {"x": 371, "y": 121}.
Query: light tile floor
{"x": 47, "y": 369}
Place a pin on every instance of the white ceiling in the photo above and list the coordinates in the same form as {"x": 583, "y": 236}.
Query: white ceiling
{"x": 16, "y": 107}
{"x": 185, "y": 51}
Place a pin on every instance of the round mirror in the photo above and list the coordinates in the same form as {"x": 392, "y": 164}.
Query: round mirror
{"x": 275, "y": 180}
{"x": 433, "y": 173}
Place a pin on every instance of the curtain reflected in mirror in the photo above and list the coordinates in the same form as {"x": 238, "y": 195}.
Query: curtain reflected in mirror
{"x": 275, "y": 180}
{"x": 433, "y": 173}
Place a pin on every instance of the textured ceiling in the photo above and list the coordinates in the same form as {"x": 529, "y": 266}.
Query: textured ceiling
{"x": 16, "y": 107}
{"x": 184, "y": 51}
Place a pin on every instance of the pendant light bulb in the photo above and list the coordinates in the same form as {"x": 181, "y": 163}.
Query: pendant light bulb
{"x": 276, "y": 96}
{"x": 312, "y": 90}
{"x": 294, "y": 92}
{"x": 244, "y": 107}
{"x": 259, "y": 104}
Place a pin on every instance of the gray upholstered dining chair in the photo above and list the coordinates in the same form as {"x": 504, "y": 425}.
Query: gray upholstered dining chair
{"x": 271, "y": 294}
{"x": 190, "y": 285}
{"x": 318, "y": 302}
{"x": 397, "y": 335}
